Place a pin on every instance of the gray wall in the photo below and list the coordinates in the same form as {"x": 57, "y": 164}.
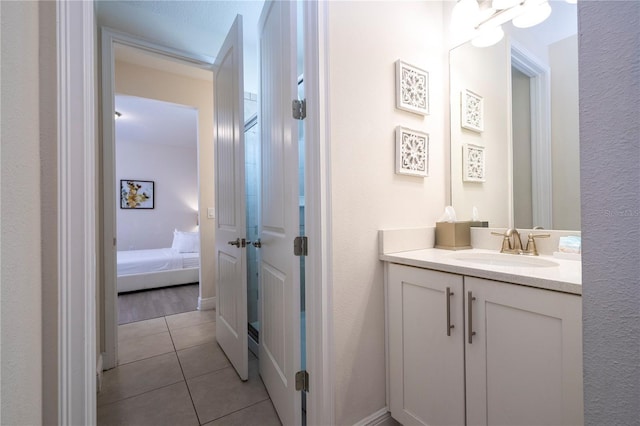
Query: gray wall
{"x": 21, "y": 301}
{"x": 610, "y": 152}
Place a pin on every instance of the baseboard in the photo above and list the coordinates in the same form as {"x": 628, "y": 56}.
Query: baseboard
{"x": 206, "y": 304}
{"x": 375, "y": 419}
{"x": 99, "y": 368}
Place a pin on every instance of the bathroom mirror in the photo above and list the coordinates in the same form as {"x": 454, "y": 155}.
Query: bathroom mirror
{"x": 514, "y": 126}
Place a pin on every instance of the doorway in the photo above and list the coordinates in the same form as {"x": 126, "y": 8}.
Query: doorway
{"x": 155, "y": 154}
{"x": 252, "y": 183}
{"x": 83, "y": 59}
{"x": 521, "y": 140}
{"x": 316, "y": 153}
{"x": 527, "y": 70}
{"x": 140, "y": 70}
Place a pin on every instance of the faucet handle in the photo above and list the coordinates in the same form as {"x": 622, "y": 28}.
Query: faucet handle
{"x": 506, "y": 241}
{"x": 531, "y": 243}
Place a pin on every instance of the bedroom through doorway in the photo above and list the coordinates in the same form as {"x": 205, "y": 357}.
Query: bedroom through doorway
{"x": 159, "y": 119}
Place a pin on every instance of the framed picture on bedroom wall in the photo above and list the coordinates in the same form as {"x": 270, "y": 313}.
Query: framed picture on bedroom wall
{"x": 137, "y": 194}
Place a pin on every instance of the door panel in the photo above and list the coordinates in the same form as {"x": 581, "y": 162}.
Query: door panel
{"x": 231, "y": 278}
{"x": 525, "y": 359}
{"x": 279, "y": 212}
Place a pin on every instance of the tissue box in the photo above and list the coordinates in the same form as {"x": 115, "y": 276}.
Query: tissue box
{"x": 453, "y": 235}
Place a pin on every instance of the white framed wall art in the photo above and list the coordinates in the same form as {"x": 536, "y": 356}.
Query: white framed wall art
{"x": 472, "y": 111}
{"x": 412, "y": 88}
{"x": 412, "y": 152}
{"x": 473, "y": 163}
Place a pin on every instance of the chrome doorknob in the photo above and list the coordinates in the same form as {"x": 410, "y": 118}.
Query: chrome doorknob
{"x": 257, "y": 244}
{"x": 235, "y": 243}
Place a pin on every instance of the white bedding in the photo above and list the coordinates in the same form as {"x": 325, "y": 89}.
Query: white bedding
{"x": 155, "y": 260}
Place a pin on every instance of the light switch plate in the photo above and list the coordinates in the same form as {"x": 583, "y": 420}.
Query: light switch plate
{"x": 211, "y": 213}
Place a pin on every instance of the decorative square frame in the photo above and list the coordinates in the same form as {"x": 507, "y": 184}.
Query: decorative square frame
{"x": 412, "y": 152}
{"x": 412, "y": 88}
{"x": 471, "y": 111}
{"x": 473, "y": 163}
{"x": 137, "y": 194}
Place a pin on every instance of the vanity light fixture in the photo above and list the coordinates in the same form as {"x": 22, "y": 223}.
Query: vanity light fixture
{"x": 464, "y": 15}
{"x": 504, "y": 4}
{"x": 534, "y": 13}
{"x": 483, "y": 19}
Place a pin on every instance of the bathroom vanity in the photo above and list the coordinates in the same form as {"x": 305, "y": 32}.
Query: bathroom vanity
{"x": 483, "y": 338}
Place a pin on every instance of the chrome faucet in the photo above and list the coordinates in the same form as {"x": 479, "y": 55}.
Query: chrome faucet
{"x": 511, "y": 242}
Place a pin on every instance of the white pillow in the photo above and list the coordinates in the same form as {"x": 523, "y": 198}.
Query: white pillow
{"x": 186, "y": 242}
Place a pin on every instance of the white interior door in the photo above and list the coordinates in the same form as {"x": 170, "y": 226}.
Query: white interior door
{"x": 231, "y": 257}
{"x": 279, "y": 212}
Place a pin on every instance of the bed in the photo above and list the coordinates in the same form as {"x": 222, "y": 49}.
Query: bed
{"x": 154, "y": 268}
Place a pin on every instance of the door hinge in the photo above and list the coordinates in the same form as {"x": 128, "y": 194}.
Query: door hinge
{"x": 299, "y": 109}
{"x": 300, "y": 246}
{"x": 302, "y": 381}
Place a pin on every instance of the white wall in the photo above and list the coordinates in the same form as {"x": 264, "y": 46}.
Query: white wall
{"x": 365, "y": 39}
{"x": 486, "y": 72}
{"x": 20, "y": 256}
{"x": 565, "y": 137}
{"x": 609, "y": 42}
{"x": 150, "y": 83}
{"x": 174, "y": 172}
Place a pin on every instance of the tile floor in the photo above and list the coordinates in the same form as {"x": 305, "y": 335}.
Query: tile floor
{"x": 172, "y": 372}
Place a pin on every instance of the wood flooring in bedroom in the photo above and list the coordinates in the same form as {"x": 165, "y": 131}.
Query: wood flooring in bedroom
{"x": 155, "y": 303}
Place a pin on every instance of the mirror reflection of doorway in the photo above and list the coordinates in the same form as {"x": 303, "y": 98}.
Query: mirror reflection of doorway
{"x": 521, "y": 129}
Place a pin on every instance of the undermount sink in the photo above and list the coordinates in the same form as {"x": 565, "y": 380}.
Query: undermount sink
{"x": 501, "y": 259}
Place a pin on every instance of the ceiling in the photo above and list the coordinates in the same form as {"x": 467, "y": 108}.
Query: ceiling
{"x": 155, "y": 122}
{"x": 197, "y": 27}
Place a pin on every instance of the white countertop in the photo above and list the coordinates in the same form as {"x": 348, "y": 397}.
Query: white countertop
{"x": 566, "y": 277}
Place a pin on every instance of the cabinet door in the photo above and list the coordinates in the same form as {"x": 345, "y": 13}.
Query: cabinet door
{"x": 524, "y": 363}
{"x": 426, "y": 377}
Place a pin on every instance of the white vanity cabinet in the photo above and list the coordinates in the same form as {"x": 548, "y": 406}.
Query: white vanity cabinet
{"x": 426, "y": 356}
{"x": 513, "y": 355}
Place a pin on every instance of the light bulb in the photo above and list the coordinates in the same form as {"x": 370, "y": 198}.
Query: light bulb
{"x": 532, "y": 14}
{"x": 488, "y": 37}
{"x": 464, "y": 15}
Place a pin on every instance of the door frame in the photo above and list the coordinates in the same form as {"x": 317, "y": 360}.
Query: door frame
{"x": 76, "y": 223}
{"x": 320, "y": 408}
{"x": 108, "y": 38}
{"x": 318, "y": 264}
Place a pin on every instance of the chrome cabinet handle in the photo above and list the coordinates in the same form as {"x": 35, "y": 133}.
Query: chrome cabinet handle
{"x": 470, "y": 300}
{"x": 449, "y": 325}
